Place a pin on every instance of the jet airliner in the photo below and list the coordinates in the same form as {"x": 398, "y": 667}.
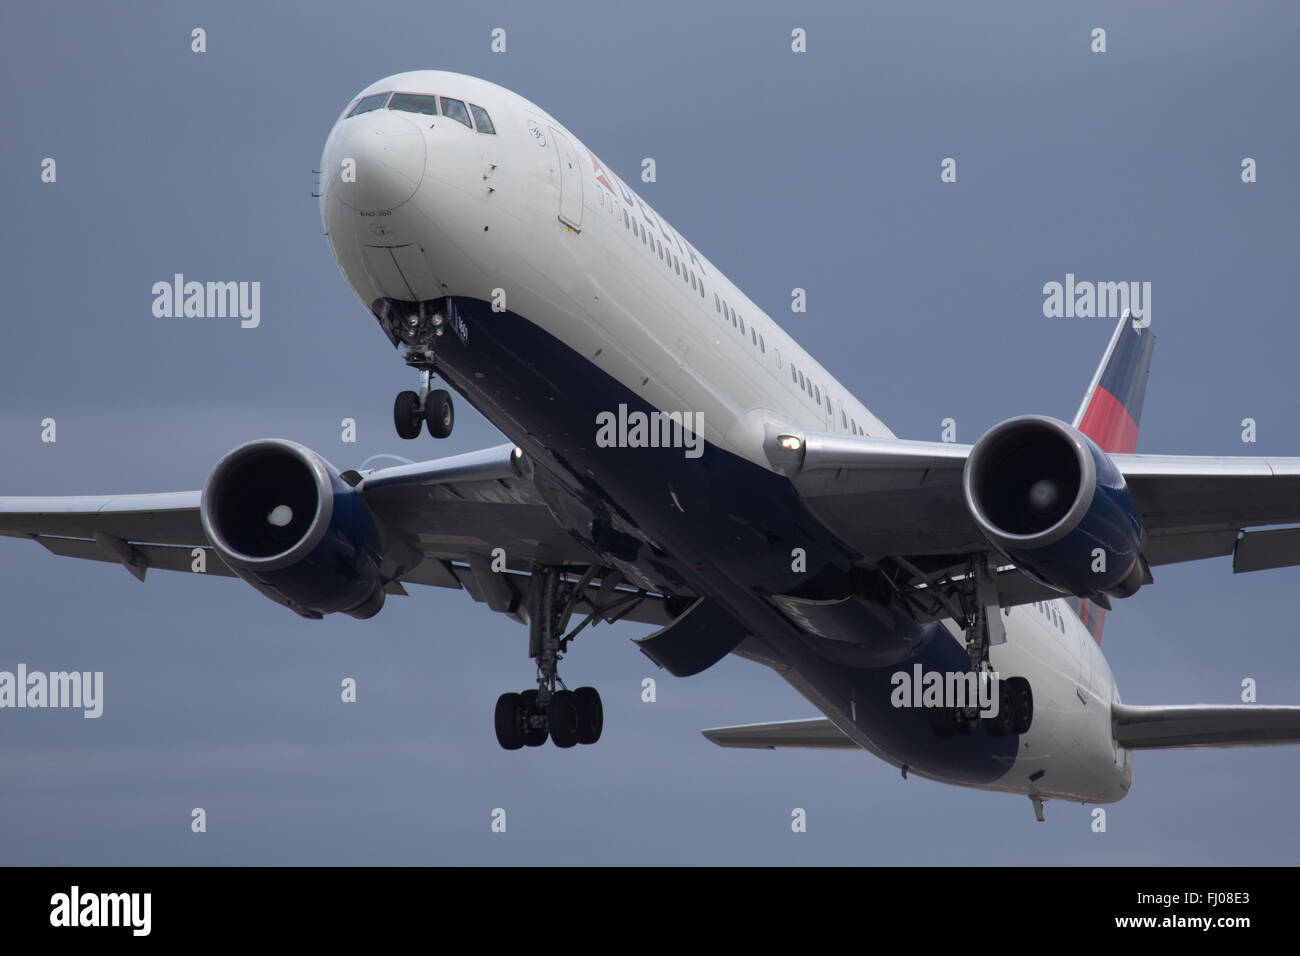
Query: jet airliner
{"x": 675, "y": 458}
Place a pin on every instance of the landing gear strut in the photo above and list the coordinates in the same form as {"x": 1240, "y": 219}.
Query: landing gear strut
{"x": 976, "y": 612}
{"x": 429, "y": 406}
{"x": 568, "y": 717}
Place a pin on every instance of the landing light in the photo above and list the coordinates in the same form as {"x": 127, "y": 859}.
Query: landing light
{"x": 791, "y": 442}
{"x": 517, "y": 453}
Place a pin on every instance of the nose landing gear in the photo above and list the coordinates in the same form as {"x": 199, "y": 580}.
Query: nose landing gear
{"x": 431, "y": 407}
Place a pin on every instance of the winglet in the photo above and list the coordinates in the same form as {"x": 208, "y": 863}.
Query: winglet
{"x": 1112, "y": 406}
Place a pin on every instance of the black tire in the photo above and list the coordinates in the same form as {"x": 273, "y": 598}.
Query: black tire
{"x": 1001, "y": 724}
{"x": 1023, "y": 695}
{"x": 563, "y": 719}
{"x": 439, "y": 413}
{"x": 507, "y": 722}
{"x": 406, "y": 415}
{"x": 591, "y": 714}
{"x": 533, "y": 736}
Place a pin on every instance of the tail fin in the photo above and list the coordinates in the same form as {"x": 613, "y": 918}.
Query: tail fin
{"x": 1111, "y": 411}
{"x": 1112, "y": 406}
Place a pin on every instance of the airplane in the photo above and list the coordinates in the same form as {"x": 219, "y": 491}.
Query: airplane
{"x": 674, "y": 458}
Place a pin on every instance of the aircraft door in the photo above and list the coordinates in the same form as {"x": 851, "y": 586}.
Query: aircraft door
{"x": 570, "y": 180}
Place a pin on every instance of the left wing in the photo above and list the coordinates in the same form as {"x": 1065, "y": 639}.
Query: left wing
{"x": 887, "y": 498}
{"x": 1204, "y": 725}
{"x": 817, "y": 734}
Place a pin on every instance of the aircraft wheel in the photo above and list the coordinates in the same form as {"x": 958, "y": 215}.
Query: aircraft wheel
{"x": 563, "y": 719}
{"x": 532, "y": 736}
{"x": 1002, "y": 723}
{"x": 439, "y": 413}
{"x": 1023, "y": 696}
{"x": 591, "y": 714}
{"x": 509, "y": 734}
{"x": 406, "y": 415}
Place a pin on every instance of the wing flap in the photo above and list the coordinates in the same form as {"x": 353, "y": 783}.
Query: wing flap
{"x": 815, "y": 734}
{"x": 163, "y": 557}
{"x": 1204, "y": 725}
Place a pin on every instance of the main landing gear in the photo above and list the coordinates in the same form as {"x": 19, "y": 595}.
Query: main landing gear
{"x": 432, "y": 407}
{"x": 977, "y": 614}
{"x": 567, "y": 717}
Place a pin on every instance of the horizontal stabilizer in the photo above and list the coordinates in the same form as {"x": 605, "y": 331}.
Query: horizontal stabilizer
{"x": 818, "y": 733}
{"x": 1204, "y": 725}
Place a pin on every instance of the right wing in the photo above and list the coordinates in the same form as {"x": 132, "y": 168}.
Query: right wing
{"x": 446, "y": 516}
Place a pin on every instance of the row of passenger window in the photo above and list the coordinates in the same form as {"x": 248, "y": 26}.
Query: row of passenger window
{"x": 1051, "y": 613}
{"x": 755, "y": 337}
{"x": 665, "y": 255}
{"x": 815, "y": 392}
{"x": 728, "y": 313}
{"x": 429, "y": 106}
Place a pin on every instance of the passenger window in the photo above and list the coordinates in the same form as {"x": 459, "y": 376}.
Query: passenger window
{"x": 742, "y": 325}
{"x": 677, "y": 266}
{"x": 844, "y": 422}
{"x": 753, "y": 335}
{"x": 817, "y": 394}
{"x": 626, "y": 222}
{"x": 454, "y": 109}
{"x": 482, "y": 121}
{"x": 802, "y": 383}
{"x": 414, "y": 103}
{"x": 793, "y": 377}
{"x": 660, "y": 246}
{"x": 692, "y": 280}
{"x": 717, "y": 303}
{"x": 367, "y": 103}
{"x": 762, "y": 346}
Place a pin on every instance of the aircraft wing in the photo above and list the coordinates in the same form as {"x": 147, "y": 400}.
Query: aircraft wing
{"x": 816, "y": 734}
{"x": 1204, "y": 725}
{"x": 449, "y": 513}
{"x": 893, "y": 499}
{"x": 887, "y": 497}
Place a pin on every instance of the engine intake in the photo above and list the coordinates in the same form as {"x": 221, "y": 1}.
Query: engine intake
{"x": 1048, "y": 498}
{"x": 285, "y": 521}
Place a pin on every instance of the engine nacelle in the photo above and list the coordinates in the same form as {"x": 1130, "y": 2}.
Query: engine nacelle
{"x": 284, "y": 520}
{"x": 1048, "y": 498}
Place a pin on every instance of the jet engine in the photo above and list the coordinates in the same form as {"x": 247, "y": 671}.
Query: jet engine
{"x": 1048, "y": 498}
{"x": 284, "y": 520}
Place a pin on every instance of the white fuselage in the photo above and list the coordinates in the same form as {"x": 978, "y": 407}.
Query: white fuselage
{"x": 526, "y": 215}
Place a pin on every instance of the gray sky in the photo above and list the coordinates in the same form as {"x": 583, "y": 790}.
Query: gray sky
{"x": 818, "y": 170}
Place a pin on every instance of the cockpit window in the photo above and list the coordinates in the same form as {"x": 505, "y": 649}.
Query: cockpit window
{"x": 481, "y": 119}
{"x": 455, "y": 109}
{"x": 367, "y": 103}
{"x": 414, "y": 103}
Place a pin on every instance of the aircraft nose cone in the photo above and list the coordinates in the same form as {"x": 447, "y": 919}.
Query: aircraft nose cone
{"x": 387, "y": 161}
